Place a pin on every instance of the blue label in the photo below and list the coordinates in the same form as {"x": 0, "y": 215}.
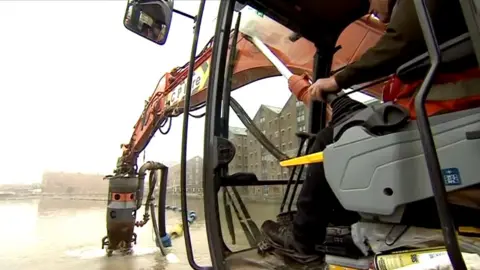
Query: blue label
{"x": 451, "y": 177}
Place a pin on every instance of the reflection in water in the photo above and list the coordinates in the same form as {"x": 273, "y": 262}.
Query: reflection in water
{"x": 56, "y": 234}
{"x": 48, "y": 206}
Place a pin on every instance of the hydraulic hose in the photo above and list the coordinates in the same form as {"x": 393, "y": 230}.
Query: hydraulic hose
{"x": 158, "y": 237}
{"x": 162, "y": 197}
{"x": 162, "y": 238}
{"x": 253, "y": 227}
{"x": 226, "y": 95}
{"x": 228, "y": 216}
{"x": 169, "y": 121}
{"x": 250, "y": 238}
{"x": 142, "y": 172}
{"x": 262, "y": 139}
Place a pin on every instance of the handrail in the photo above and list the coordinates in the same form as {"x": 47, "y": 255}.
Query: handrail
{"x": 430, "y": 152}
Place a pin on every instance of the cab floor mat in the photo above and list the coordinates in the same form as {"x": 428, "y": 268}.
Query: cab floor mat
{"x": 252, "y": 259}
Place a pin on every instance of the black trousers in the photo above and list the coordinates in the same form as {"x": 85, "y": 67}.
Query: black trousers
{"x": 317, "y": 205}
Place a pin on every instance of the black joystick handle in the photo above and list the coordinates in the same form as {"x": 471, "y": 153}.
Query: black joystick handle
{"x": 330, "y": 97}
{"x": 304, "y": 135}
{"x": 294, "y": 37}
{"x": 343, "y": 107}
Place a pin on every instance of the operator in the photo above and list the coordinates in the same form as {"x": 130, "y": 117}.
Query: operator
{"x": 125, "y": 148}
{"x": 159, "y": 31}
{"x": 403, "y": 40}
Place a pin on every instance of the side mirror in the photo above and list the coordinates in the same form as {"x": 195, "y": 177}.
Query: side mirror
{"x": 149, "y": 19}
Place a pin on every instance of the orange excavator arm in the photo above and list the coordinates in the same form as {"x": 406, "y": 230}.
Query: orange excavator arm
{"x": 165, "y": 102}
{"x": 250, "y": 65}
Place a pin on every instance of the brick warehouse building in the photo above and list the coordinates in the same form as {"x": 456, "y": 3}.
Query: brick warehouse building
{"x": 194, "y": 176}
{"x": 238, "y": 136}
{"x": 279, "y": 125}
{"x": 74, "y": 183}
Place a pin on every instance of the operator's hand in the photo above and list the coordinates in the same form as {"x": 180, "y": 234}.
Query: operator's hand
{"x": 321, "y": 86}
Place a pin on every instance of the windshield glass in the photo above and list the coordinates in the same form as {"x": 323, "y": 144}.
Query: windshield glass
{"x": 278, "y": 115}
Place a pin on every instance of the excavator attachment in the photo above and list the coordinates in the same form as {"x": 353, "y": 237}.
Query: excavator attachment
{"x": 126, "y": 197}
{"x": 121, "y": 214}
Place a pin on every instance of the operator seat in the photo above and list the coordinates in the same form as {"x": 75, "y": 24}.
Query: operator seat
{"x": 377, "y": 175}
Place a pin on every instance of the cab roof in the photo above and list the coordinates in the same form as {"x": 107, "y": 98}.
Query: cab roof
{"x": 315, "y": 20}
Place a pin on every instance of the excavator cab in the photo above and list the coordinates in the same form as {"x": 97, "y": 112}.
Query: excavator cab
{"x": 382, "y": 164}
{"x": 382, "y": 171}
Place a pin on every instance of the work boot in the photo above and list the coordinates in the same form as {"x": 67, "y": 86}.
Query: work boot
{"x": 286, "y": 218}
{"x": 282, "y": 240}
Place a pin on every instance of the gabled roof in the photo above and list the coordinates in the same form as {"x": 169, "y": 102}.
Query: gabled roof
{"x": 276, "y": 110}
{"x": 286, "y": 102}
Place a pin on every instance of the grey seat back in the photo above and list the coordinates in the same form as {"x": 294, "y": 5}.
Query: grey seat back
{"x": 457, "y": 53}
{"x": 378, "y": 174}
{"x": 471, "y": 11}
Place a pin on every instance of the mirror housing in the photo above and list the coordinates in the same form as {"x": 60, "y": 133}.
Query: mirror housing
{"x": 149, "y": 19}
{"x": 239, "y": 6}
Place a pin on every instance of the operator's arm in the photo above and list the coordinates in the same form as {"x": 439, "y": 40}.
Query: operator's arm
{"x": 402, "y": 41}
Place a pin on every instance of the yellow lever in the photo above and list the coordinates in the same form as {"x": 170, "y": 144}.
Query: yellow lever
{"x": 308, "y": 159}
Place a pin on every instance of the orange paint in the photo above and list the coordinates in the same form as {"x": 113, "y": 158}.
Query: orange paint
{"x": 122, "y": 197}
{"x": 251, "y": 65}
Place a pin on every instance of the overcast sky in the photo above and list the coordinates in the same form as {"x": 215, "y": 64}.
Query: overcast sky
{"x": 73, "y": 82}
